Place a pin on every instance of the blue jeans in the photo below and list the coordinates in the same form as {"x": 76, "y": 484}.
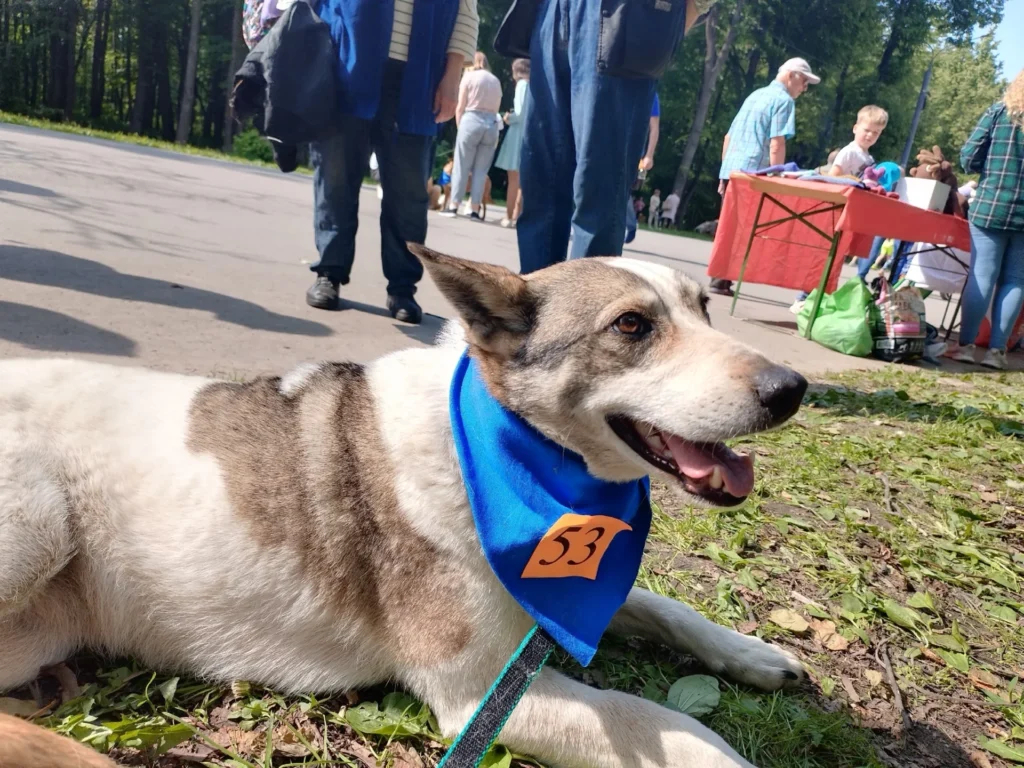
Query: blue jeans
{"x": 865, "y": 263}
{"x": 475, "y": 143}
{"x": 630, "y": 218}
{"x": 582, "y": 134}
{"x": 338, "y": 168}
{"x": 997, "y": 271}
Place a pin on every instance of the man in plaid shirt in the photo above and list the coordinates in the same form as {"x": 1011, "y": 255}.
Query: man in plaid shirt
{"x": 996, "y": 151}
{"x": 757, "y": 136}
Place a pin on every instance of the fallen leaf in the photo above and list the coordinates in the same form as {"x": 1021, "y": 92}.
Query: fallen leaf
{"x": 18, "y": 707}
{"x": 990, "y": 497}
{"x": 825, "y": 632}
{"x": 287, "y": 743}
{"x": 873, "y": 676}
{"x": 983, "y": 679}
{"x": 980, "y": 760}
{"x": 790, "y": 620}
{"x": 931, "y": 655}
{"x": 406, "y": 757}
{"x": 850, "y": 690}
{"x": 746, "y": 627}
{"x": 694, "y": 695}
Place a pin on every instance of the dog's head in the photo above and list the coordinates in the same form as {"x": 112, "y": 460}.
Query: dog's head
{"x": 616, "y": 360}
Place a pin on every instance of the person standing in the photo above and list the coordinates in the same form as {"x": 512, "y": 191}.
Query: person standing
{"x": 996, "y": 217}
{"x": 508, "y": 155}
{"x": 646, "y": 164}
{"x": 479, "y": 125}
{"x": 757, "y": 136}
{"x": 591, "y": 92}
{"x": 399, "y": 64}
{"x": 654, "y": 209}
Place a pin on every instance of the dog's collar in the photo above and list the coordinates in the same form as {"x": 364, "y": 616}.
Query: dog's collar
{"x": 566, "y": 545}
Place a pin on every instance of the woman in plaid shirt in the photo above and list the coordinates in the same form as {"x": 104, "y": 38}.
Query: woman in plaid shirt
{"x": 996, "y": 151}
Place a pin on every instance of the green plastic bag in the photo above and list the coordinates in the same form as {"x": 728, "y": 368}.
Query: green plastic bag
{"x": 843, "y": 322}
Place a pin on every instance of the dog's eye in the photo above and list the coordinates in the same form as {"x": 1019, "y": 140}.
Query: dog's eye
{"x": 632, "y": 324}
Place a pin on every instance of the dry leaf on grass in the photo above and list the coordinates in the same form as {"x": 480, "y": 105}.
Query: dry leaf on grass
{"x": 873, "y": 676}
{"x": 18, "y": 707}
{"x": 746, "y": 627}
{"x": 983, "y": 679}
{"x": 850, "y": 690}
{"x": 404, "y": 756}
{"x": 980, "y": 760}
{"x": 825, "y": 633}
{"x": 790, "y": 620}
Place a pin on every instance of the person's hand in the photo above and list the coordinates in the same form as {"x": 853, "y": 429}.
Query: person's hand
{"x": 721, "y": 186}
{"x": 647, "y": 163}
{"x": 505, "y": 118}
{"x": 447, "y": 96}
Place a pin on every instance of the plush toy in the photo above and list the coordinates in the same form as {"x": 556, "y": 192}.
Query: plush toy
{"x": 933, "y": 165}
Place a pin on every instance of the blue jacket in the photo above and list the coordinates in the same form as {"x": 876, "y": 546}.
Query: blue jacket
{"x": 361, "y": 29}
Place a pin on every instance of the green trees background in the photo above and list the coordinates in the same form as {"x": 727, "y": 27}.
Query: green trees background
{"x": 163, "y": 68}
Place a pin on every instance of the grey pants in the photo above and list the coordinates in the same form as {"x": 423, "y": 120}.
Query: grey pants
{"x": 474, "y": 151}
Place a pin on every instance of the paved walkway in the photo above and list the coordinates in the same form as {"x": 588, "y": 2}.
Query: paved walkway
{"x": 139, "y": 256}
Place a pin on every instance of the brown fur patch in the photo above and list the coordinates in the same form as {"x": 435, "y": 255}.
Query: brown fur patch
{"x": 311, "y": 473}
{"x": 24, "y": 745}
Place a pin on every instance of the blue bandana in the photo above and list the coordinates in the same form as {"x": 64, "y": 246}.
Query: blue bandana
{"x": 565, "y": 545}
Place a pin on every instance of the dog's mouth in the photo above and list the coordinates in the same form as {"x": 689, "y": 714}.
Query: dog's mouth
{"x": 712, "y": 472}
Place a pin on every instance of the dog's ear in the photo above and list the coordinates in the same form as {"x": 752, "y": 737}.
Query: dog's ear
{"x": 495, "y": 304}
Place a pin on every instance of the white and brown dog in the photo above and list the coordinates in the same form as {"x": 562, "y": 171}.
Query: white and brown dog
{"x": 312, "y": 533}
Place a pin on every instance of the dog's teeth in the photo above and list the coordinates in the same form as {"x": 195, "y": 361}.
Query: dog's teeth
{"x": 716, "y": 481}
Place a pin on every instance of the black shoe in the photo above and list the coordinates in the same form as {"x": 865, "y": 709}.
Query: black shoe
{"x": 323, "y": 294}
{"x": 721, "y": 287}
{"x": 475, "y": 216}
{"x": 405, "y": 309}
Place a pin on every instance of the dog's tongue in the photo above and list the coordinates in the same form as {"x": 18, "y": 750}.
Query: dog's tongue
{"x": 698, "y": 461}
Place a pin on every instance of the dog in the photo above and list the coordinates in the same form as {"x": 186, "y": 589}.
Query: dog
{"x": 23, "y": 745}
{"x": 708, "y": 228}
{"x": 312, "y": 532}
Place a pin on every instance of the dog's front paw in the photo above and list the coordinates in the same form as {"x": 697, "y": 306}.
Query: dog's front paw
{"x": 751, "y": 661}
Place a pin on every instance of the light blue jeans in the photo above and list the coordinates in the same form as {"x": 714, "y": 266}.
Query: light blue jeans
{"x": 997, "y": 271}
{"x": 475, "y": 144}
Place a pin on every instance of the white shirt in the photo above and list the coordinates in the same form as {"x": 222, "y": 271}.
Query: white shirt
{"x": 668, "y": 208}
{"x": 852, "y": 160}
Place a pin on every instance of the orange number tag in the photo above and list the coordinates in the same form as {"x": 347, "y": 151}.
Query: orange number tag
{"x": 573, "y": 546}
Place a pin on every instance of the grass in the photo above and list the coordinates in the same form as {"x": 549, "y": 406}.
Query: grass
{"x": 133, "y": 139}
{"x": 675, "y": 232}
{"x": 886, "y": 532}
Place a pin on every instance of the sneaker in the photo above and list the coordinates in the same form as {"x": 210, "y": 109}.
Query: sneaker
{"x": 449, "y": 213}
{"x": 475, "y": 216}
{"x": 965, "y": 354}
{"x": 995, "y": 358}
{"x": 721, "y": 287}
{"x": 796, "y": 306}
{"x": 507, "y": 223}
{"x": 405, "y": 309}
{"x": 323, "y": 294}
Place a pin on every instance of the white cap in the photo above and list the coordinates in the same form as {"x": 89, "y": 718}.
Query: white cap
{"x": 801, "y": 66}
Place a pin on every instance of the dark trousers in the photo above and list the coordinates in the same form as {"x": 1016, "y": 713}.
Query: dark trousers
{"x": 582, "y": 134}
{"x": 339, "y": 165}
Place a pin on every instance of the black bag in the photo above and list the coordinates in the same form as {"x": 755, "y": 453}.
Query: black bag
{"x": 639, "y": 37}
{"x": 516, "y": 30}
{"x": 290, "y": 80}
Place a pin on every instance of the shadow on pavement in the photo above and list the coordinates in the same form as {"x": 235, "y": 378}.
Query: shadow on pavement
{"x": 49, "y": 331}
{"x": 6, "y": 185}
{"x": 61, "y": 270}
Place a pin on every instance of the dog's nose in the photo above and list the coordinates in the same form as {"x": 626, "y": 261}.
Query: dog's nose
{"x": 781, "y": 391}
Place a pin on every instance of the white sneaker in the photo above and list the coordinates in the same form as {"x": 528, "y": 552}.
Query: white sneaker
{"x": 965, "y": 354}
{"x": 797, "y": 306}
{"x": 449, "y": 213}
{"x": 995, "y": 358}
{"x": 507, "y": 223}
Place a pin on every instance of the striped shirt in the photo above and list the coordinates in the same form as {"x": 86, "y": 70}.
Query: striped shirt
{"x": 463, "y": 39}
{"x": 996, "y": 151}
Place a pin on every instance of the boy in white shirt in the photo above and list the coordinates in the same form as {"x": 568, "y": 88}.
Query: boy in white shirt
{"x": 854, "y": 157}
{"x": 654, "y": 209}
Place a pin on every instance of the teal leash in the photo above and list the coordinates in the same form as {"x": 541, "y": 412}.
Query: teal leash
{"x": 490, "y": 717}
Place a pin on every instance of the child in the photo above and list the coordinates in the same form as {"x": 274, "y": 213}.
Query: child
{"x": 854, "y": 157}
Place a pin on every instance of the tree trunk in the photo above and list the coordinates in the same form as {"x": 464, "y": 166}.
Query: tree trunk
{"x": 237, "y": 44}
{"x": 99, "y": 60}
{"x": 164, "y": 102}
{"x": 142, "y": 108}
{"x": 714, "y": 61}
{"x": 751, "y": 74}
{"x": 188, "y": 96}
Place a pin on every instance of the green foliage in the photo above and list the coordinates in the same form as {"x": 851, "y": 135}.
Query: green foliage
{"x": 251, "y": 146}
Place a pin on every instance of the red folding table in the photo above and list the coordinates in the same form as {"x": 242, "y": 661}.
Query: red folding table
{"x": 787, "y": 232}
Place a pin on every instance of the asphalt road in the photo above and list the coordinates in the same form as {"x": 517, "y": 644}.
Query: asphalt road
{"x": 140, "y": 256}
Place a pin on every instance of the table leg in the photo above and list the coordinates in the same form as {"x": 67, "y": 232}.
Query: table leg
{"x": 823, "y": 282}
{"x": 746, "y": 256}
{"x": 952, "y": 322}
